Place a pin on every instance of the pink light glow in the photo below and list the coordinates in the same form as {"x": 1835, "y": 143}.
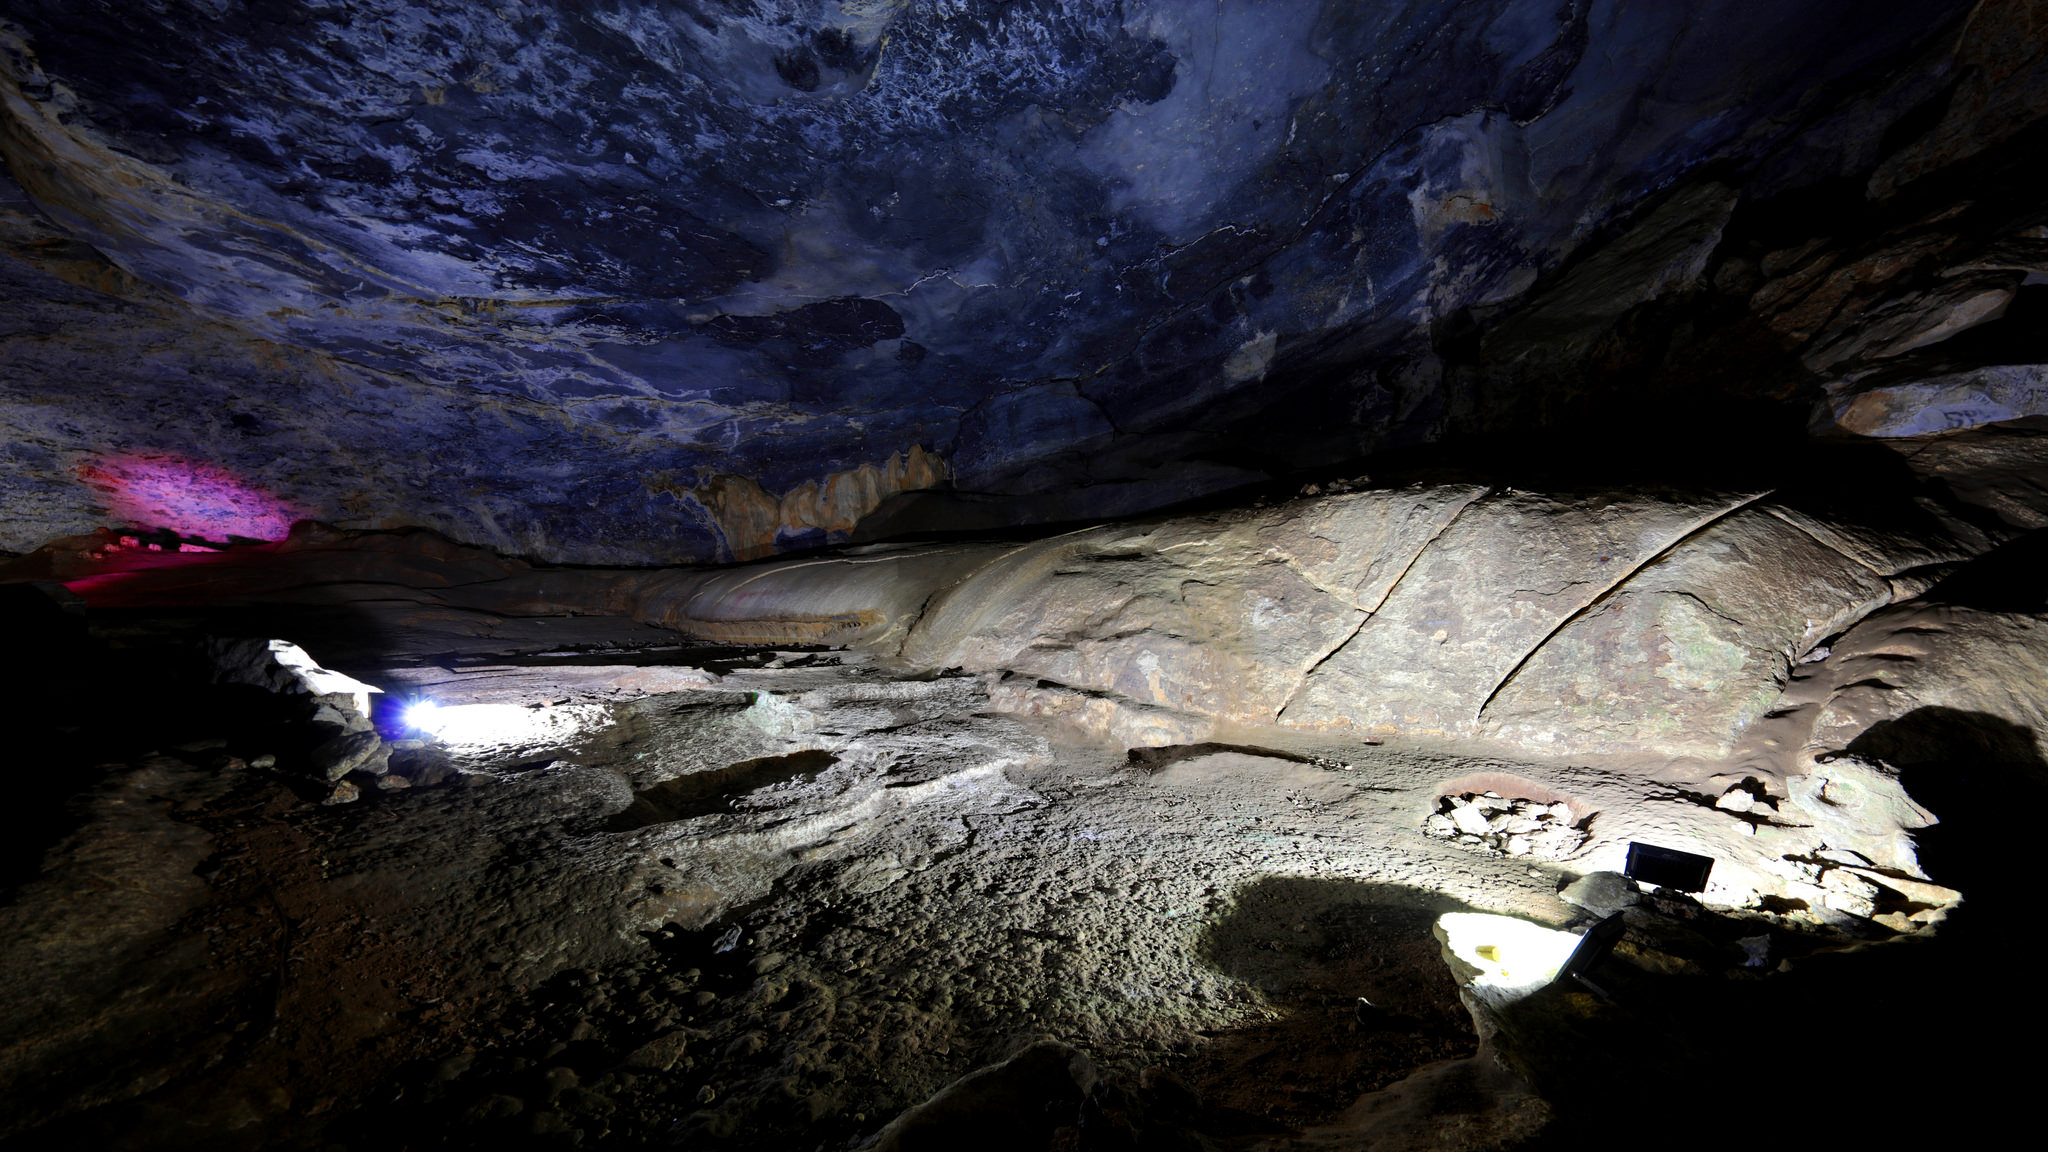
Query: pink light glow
{"x": 190, "y": 499}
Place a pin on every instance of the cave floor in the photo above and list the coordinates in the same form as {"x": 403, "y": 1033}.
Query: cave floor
{"x": 771, "y": 913}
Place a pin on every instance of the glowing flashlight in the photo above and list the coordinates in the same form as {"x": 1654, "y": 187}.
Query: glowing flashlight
{"x": 422, "y": 714}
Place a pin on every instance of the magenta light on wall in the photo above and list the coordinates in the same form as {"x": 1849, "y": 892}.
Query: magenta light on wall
{"x": 188, "y": 498}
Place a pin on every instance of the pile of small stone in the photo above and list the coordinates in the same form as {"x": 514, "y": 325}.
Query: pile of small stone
{"x": 349, "y": 754}
{"x": 1505, "y": 826}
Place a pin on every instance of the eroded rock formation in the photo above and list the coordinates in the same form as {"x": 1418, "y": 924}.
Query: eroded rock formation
{"x": 1719, "y": 653}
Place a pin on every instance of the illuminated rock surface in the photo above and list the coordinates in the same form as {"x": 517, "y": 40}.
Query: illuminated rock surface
{"x": 798, "y": 899}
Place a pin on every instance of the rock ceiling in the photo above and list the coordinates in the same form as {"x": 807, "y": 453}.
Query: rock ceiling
{"x": 632, "y": 282}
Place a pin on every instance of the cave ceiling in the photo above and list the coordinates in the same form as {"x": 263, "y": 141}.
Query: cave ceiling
{"x": 709, "y": 279}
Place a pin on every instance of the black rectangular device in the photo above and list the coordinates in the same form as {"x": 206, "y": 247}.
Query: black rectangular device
{"x": 1668, "y": 867}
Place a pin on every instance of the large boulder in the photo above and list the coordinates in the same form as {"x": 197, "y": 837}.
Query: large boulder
{"x": 1558, "y": 623}
{"x": 1692, "y": 649}
{"x": 1510, "y": 570}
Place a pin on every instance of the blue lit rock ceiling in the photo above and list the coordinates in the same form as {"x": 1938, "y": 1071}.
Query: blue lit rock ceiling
{"x": 657, "y": 282}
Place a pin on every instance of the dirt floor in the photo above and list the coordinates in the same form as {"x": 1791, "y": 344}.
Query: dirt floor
{"x": 774, "y": 912}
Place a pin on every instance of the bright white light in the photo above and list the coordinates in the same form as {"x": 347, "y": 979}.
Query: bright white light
{"x": 423, "y": 715}
{"x": 511, "y": 725}
{"x": 1512, "y": 957}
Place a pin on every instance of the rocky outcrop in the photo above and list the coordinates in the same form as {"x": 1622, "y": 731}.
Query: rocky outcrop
{"x": 1219, "y": 616}
{"x": 1558, "y": 623}
{"x": 755, "y": 524}
{"x": 1565, "y": 622}
{"x": 1694, "y": 647}
{"x": 867, "y": 598}
{"x": 1923, "y": 682}
{"x": 1561, "y": 623}
{"x": 1504, "y": 576}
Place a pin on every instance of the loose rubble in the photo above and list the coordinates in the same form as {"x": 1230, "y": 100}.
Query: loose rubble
{"x": 348, "y": 754}
{"x": 1494, "y": 823}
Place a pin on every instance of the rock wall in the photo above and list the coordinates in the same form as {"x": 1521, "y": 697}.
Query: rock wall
{"x": 1570, "y": 622}
{"x": 1584, "y": 622}
{"x": 1566, "y": 623}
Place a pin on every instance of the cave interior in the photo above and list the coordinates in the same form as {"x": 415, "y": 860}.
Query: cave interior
{"x": 1120, "y": 575}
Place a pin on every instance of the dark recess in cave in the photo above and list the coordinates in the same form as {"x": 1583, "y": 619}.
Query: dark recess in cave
{"x": 703, "y": 793}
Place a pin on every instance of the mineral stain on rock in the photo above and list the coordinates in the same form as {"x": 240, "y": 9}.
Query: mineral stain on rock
{"x": 753, "y": 522}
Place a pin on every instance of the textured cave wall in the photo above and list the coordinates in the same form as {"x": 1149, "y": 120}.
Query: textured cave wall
{"x": 1668, "y": 622}
{"x": 657, "y": 282}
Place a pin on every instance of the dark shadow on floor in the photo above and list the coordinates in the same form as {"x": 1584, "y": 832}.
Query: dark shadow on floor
{"x": 1157, "y": 760}
{"x": 1313, "y": 948}
{"x": 705, "y": 793}
{"x": 80, "y": 695}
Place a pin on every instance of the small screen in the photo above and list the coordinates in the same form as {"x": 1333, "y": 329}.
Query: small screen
{"x": 1668, "y": 867}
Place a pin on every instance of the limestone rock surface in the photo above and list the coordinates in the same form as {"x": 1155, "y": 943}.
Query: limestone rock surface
{"x": 1568, "y": 622}
{"x": 1693, "y": 648}
{"x": 1919, "y": 676}
{"x": 1509, "y": 571}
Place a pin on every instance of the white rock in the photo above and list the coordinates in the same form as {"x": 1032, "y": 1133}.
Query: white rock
{"x": 1736, "y": 799}
{"x": 1851, "y": 903}
{"x": 1844, "y": 880}
{"x": 281, "y": 666}
{"x": 1845, "y": 891}
{"x": 1470, "y": 821}
{"x": 1556, "y": 841}
{"x": 1918, "y": 891}
{"x": 1856, "y": 801}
